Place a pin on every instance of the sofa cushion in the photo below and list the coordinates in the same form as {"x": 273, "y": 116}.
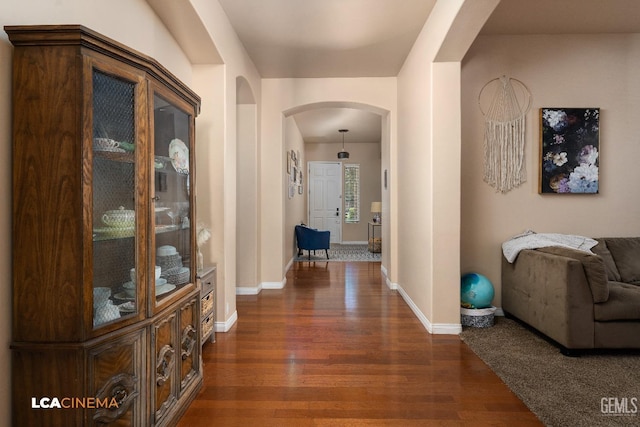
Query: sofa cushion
{"x": 609, "y": 264}
{"x": 623, "y": 303}
{"x": 626, "y": 254}
{"x": 593, "y": 266}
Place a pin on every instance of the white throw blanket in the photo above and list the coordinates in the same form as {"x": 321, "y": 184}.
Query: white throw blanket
{"x": 531, "y": 240}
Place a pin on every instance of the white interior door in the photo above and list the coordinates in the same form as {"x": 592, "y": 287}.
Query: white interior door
{"x": 325, "y": 198}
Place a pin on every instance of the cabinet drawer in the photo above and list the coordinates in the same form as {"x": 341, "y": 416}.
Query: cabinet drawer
{"x": 208, "y": 279}
{"x": 207, "y": 303}
{"x": 207, "y": 327}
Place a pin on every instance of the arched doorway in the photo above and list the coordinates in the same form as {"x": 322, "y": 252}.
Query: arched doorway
{"x": 335, "y": 113}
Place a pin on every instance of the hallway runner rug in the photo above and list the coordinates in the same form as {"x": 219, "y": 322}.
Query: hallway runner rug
{"x": 345, "y": 253}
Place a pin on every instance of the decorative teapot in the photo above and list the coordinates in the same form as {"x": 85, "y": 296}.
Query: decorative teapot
{"x": 120, "y": 217}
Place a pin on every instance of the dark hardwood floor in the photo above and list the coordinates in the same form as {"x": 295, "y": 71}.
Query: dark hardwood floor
{"x": 336, "y": 347}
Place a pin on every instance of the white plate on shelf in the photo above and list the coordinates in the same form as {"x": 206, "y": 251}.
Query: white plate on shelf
{"x": 161, "y": 290}
{"x": 124, "y": 296}
{"x": 179, "y": 155}
{"x": 127, "y": 307}
{"x": 131, "y": 286}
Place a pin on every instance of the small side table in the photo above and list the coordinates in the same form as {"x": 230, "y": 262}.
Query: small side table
{"x": 375, "y": 243}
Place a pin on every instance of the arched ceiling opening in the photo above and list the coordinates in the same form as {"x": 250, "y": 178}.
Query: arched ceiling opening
{"x": 320, "y": 122}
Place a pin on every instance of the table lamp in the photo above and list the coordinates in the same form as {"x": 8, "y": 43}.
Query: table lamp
{"x": 376, "y": 209}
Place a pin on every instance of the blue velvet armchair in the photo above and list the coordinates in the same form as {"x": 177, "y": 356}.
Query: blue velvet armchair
{"x": 311, "y": 239}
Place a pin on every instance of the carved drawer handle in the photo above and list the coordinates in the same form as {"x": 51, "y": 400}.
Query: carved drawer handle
{"x": 188, "y": 341}
{"x": 164, "y": 365}
{"x": 122, "y": 388}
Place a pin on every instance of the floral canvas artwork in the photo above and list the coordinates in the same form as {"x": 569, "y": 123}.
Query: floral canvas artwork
{"x": 570, "y": 144}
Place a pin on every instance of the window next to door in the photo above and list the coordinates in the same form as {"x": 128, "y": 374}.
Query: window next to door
{"x": 351, "y": 193}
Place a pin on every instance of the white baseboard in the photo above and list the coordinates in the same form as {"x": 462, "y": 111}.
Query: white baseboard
{"x": 248, "y": 290}
{"x": 255, "y": 290}
{"x": 389, "y": 283}
{"x": 274, "y": 285}
{"x": 432, "y": 328}
{"x": 225, "y": 326}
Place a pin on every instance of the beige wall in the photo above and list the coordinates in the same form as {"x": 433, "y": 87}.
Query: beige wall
{"x": 216, "y": 129}
{"x": 295, "y": 207}
{"x": 428, "y": 163}
{"x": 247, "y": 197}
{"x": 368, "y": 156}
{"x": 560, "y": 71}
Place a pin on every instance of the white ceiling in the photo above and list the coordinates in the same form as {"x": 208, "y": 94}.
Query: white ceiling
{"x": 322, "y": 125}
{"x": 327, "y": 38}
{"x": 371, "y": 38}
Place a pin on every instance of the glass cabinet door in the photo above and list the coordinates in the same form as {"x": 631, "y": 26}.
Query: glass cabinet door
{"x": 172, "y": 190}
{"x": 115, "y": 294}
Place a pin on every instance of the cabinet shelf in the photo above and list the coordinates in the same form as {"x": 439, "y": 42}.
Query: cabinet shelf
{"x": 111, "y": 233}
{"x": 126, "y": 157}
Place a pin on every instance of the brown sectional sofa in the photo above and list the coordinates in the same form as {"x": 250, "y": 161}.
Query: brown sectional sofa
{"x": 578, "y": 299}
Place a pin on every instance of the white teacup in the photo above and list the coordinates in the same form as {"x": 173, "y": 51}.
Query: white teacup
{"x": 105, "y": 143}
{"x": 132, "y": 273}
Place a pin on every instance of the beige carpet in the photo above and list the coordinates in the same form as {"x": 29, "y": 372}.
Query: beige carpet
{"x": 590, "y": 390}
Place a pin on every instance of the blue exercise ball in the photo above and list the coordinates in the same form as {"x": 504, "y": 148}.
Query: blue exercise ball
{"x": 476, "y": 291}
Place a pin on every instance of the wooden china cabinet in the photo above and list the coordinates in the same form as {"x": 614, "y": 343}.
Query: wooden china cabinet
{"x": 106, "y": 307}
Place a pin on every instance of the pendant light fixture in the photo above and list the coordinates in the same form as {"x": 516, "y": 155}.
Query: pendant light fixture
{"x": 343, "y": 154}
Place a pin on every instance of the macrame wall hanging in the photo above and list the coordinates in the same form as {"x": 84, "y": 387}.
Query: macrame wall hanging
{"x": 504, "y": 102}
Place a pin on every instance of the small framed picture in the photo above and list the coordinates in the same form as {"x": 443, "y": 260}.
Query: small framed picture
{"x": 288, "y": 162}
{"x": 300, "y": 189}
